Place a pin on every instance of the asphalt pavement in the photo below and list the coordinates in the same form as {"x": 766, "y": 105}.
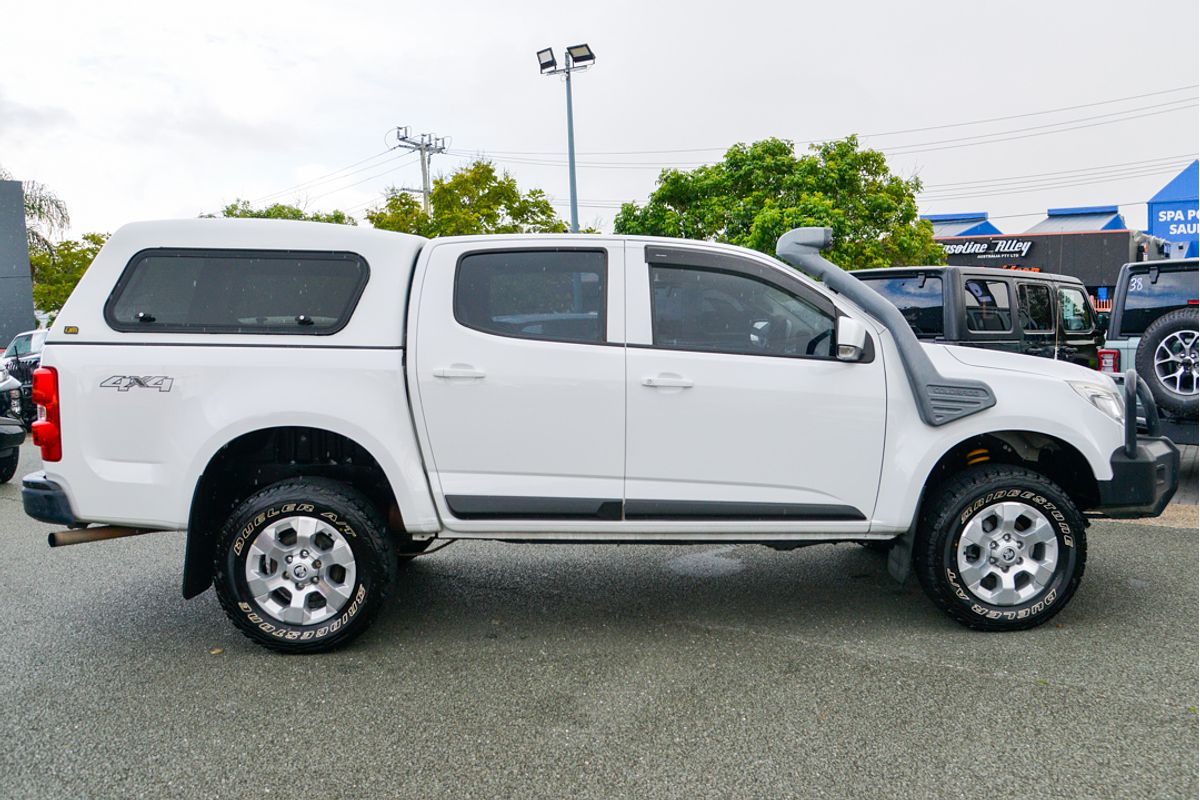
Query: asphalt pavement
{"x": 599, "y": 672}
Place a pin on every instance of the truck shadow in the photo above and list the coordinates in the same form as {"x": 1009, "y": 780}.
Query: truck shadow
{"x": 533, "y": 591}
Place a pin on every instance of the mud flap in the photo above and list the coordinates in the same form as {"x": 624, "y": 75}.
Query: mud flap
{"x": 900, "y": 556}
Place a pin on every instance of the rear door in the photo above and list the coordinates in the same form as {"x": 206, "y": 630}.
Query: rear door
{"x": 1078, "y": 339}
{"x": 738, "y": 413}
{"x": 988, "y": 304}
{"x": 1035, "y": 313}
{"x": 519, "y": 365}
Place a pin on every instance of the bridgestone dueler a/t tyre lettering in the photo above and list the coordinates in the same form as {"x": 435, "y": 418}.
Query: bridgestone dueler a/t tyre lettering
{"x": 304, "y": 565}
{"x": 1000, "y": 548}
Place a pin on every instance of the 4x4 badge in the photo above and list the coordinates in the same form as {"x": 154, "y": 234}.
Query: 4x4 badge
{"x": 123, "y": 383}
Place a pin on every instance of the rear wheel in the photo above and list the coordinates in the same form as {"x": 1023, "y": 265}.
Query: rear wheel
{"x": 304, "y": 565}
{"x": 1168, "y": 359}
{"x": 1000, "y": 548}
{"x": 8, "y": 465}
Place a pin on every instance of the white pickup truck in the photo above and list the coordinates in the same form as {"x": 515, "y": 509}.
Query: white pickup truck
{"x": 315, "y": 404}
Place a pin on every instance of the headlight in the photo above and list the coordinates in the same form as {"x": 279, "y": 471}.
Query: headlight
{"x": 1107, "y": 400}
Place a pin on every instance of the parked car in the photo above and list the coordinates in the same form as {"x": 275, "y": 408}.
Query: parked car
{"x": 12, "y": 432}
{"x": 313, "y": 402}
{"x": 1155, "y": 329}
{"x": 1036, "y": 313}
{"x": 21, "y": 358}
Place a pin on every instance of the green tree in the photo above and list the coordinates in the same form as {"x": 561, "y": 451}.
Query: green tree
{"x": 760, "y": 191}
{"x": 45, "y": 213}
{"x": 57, "y": 270}
{"x": 475, "y": 199}
{"x": 242, "y": 208}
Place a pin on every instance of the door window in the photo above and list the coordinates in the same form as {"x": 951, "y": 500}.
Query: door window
{"x": 557, "y": 295}
{"x": 722, "y": 312}
{"x": 237, "y": 291}
{"x": 988, "y": 306}
{"x": 919, "y": 298}
{"x": 1036, "y": 307}
{"x": 1076, "y": 313}
{"x": 1147, "y": 299}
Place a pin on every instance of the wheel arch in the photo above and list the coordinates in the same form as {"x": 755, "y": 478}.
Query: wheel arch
{"x": 246, "y": 461}
{"x": 1056, "y": 458}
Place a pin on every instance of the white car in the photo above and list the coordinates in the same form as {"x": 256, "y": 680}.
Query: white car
{"x": 314, "y": 403}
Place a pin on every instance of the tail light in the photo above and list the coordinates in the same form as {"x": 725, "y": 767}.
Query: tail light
{"x": 47, "y": 431}
{"x": 1110, "y": 360}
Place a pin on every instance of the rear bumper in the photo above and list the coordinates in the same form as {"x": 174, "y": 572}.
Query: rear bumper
{"x": 45, "y": 500}
{"x": 12, "y": 434}
{"x": 1141, "y": 484}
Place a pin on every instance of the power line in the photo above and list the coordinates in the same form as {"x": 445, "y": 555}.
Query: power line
{"x": 900, "y": 150}
{"x": 364, "y": 180}
{"x": 1188, "y": 103}
{"x": 865, "y": 135}
{"x": 1008, "y": 178}
{"x": 323, "y": 178}
{"x": 1093, "y": 180}
{"x": 1039, "y": 182}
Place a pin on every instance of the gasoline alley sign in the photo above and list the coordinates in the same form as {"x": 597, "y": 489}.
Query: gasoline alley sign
{"x": 990, "y": 248}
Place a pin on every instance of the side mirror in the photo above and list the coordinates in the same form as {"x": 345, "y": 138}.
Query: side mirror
{"x": 851, "y": 339}
{"x": 1102, "y": 319}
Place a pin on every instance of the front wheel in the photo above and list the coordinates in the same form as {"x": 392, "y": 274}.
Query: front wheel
{"x": 1000, "y": 548}
{"x": 304, "y": 565}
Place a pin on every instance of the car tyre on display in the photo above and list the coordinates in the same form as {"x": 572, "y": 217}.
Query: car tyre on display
{"x": 1168, "y": 359}
{"x": 304, "y": 565}
{"x": 1000, "y": 548}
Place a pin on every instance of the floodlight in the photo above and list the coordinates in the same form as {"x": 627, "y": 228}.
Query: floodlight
{"x": 581, "y": 54}
{"x": 546, "y": 60}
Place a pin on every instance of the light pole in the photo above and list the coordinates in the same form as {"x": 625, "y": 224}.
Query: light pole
{"x": 578, "y": 57}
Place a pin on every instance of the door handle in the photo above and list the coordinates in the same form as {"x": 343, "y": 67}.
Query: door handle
{"x": 668, "y": 380}
{"x": 459, "y": 371}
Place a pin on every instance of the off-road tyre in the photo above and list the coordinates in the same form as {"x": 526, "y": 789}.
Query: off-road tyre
{"x": 353, "y": 518}
{"x": 954, "y": 505}
{"x": 8, "y": 465}
{"x": 1179, "y": 323}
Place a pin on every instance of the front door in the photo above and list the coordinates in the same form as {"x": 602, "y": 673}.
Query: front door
{"x": 739, "y": 416}
{"x": 520, "y": 369}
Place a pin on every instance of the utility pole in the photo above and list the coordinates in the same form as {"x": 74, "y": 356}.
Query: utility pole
{"x": 426, "y": 145}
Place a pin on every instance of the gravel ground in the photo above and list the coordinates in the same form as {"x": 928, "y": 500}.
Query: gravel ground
{"x": 599, "y": 671}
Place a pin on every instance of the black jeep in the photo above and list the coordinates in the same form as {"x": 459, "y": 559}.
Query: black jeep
{"x": 1036, "y": 313}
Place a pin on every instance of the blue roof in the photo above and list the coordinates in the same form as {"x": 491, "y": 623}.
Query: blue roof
{"x": 1071, "y": 212}
{"x": 1182, "y": 187}
{"x": 964, "y": 215}
{"x": 1076, "y": 220}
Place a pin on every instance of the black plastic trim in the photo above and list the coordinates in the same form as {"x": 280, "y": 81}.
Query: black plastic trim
{"x": 218, "y": 252}
{"x": 12, "y": 433}
{"x": 725, "y": 510}
{"x": 1142, "y": 484}
{"x": 470, "y": 506}
{"x": 45, "y": 500}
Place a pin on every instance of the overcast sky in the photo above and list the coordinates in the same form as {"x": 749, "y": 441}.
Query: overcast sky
{"x": 136, "y": 111}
